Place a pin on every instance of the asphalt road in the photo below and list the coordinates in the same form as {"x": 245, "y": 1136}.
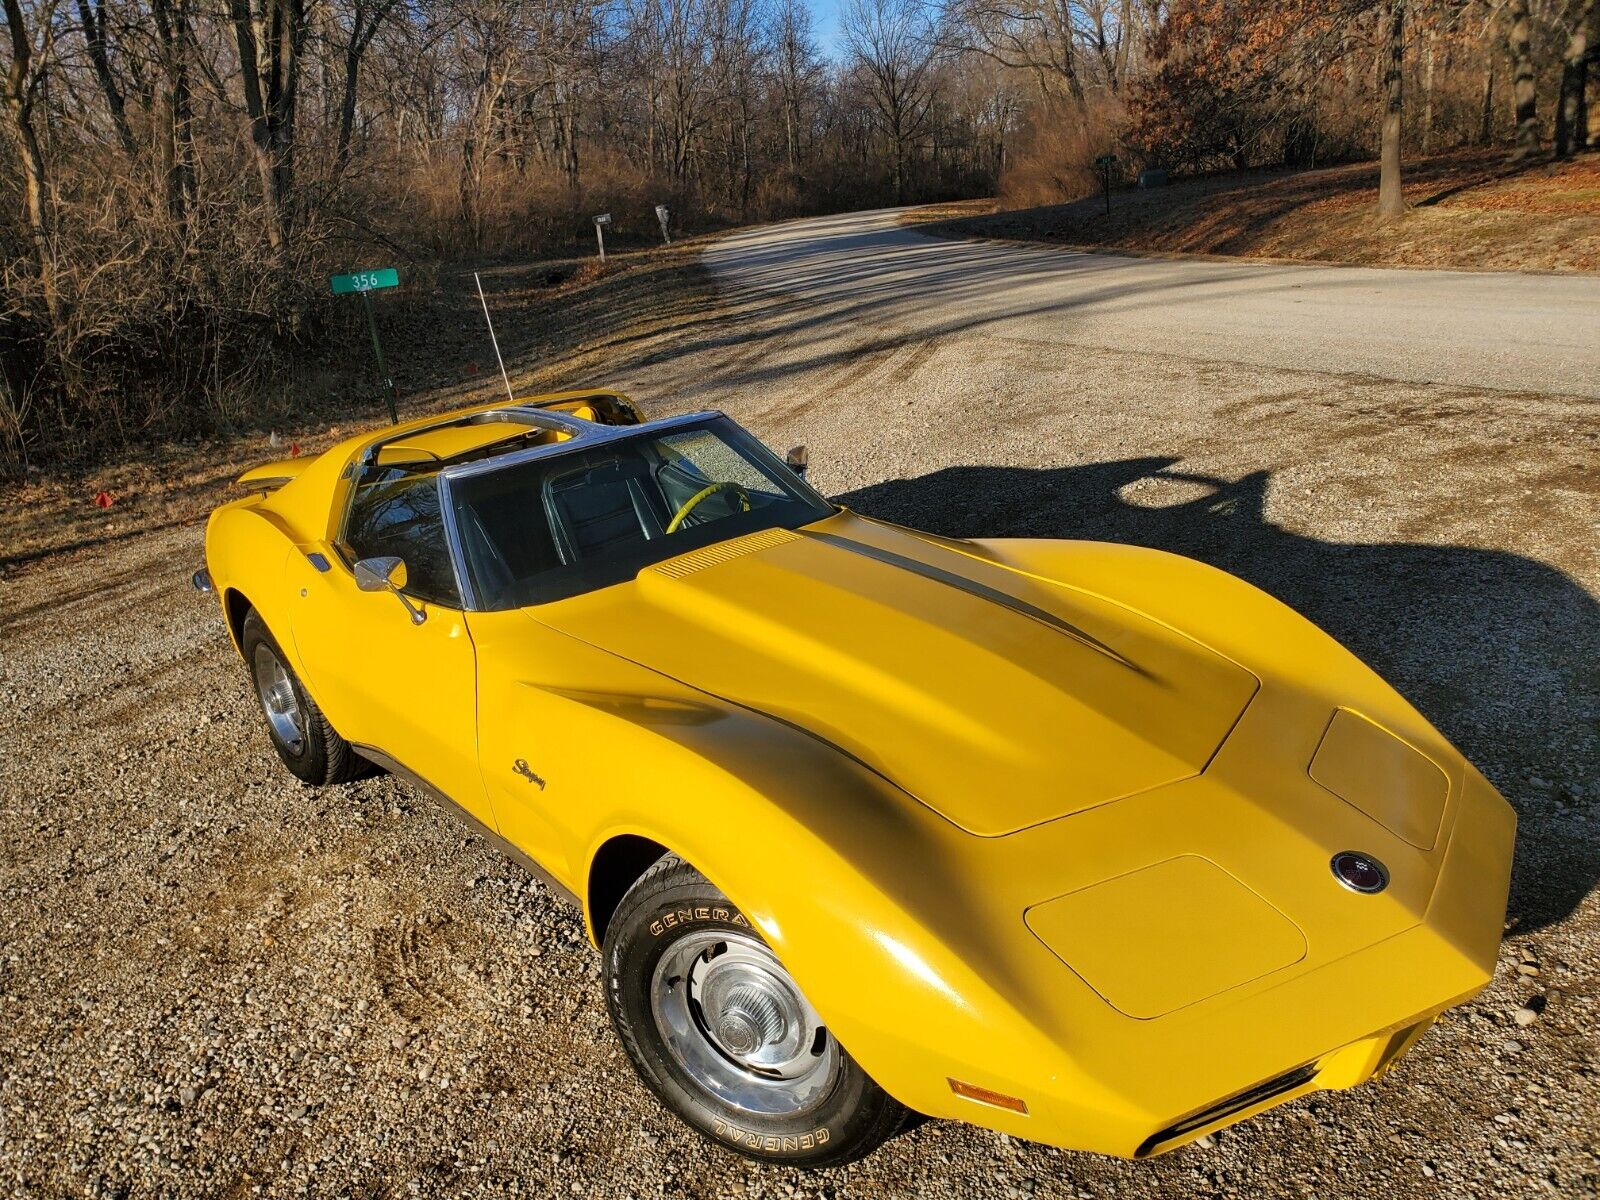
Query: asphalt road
{"x": 1521, "y": 333}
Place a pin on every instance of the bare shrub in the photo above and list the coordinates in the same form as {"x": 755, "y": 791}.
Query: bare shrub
{"x": 1054, "y": 161}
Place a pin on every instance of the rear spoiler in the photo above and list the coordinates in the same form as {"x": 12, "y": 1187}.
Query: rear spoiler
{"x": 269, "y": 477}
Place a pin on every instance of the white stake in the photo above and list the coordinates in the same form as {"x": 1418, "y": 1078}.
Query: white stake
{"x": 487, "y": 320}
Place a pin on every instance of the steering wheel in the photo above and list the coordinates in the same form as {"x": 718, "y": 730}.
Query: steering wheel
{"x": 689, "y": 505}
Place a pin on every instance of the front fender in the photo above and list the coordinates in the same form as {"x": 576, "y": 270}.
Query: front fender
{"x": 246, "y": 548}
{"x": 872, "y": 900}
{"x": 869, "y": 899}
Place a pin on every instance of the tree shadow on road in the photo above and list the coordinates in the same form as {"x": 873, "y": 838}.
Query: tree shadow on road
{"x": 1497, "y": 650}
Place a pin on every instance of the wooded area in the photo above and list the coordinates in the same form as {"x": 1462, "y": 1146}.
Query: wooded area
{"x": 178, "y": 177}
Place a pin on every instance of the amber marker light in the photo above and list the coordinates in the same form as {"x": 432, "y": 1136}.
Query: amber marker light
{"x": 971, "y": 1091}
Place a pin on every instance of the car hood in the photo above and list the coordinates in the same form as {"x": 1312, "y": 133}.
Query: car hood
{"x": 998, "y": 699}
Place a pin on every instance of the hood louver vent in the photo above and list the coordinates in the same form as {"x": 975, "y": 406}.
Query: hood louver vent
{"x": 699, "y": 560}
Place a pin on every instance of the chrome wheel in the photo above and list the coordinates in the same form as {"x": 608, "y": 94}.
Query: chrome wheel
{"x": 278, "y": 700}
{"x": 736, "y": 1023}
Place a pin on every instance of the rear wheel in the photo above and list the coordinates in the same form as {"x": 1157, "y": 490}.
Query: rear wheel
{"x": 721, "y": 1032}
{"x": 308, "y": 745}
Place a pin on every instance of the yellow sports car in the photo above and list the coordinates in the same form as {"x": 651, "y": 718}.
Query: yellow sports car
{"x": 1093, "y": 845}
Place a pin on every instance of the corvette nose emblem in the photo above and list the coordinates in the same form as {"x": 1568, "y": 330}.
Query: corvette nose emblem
{"x": 1360, "y": 872}
{"x": 520, "y": 767}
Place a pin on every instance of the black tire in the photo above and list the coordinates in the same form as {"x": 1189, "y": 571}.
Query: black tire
{"x": 672, "y": 901}
{"x": 319, "y": 756}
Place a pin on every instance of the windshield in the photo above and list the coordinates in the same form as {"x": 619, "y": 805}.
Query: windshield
{"x": 568, "y": 523}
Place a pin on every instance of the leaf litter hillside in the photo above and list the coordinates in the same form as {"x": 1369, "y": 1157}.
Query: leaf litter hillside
{"x": 1469, "y": 210}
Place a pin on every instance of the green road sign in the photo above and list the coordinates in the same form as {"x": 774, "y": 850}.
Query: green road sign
{"x": 365, "y": 281}
{"x": 360, "y": 284}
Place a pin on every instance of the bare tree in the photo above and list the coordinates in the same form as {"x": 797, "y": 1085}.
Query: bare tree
{"x": 158, "y": 265}
{"x": 485, "y": 44}
{"x": 678, "y": 54}
{"x": 1524, "y": 89}
{"x": 1044, "y": 38}
{"x": 1391, "y": 196}
{"x": 796, "y": 69}
{"x": 30, "y": 51}
{"x": 269, "y": 35}
{"x": 1572, "y": 115}
{"x": 893, "y": 43}
{"x": 92, "y": 22}
{"x": 173, "y": 25}
{"x": 366, "y": 17}
{"x": 738, "y": 59}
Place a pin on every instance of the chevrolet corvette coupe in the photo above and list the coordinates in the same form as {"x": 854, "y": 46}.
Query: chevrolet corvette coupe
{"x": 1093, "y": 845}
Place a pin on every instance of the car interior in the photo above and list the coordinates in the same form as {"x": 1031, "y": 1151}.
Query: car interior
{"x": 558, "y": 524}
{"x": 603, "y": 506}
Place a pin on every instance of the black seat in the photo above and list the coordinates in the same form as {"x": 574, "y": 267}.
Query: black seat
{"x": 600, "y": 508}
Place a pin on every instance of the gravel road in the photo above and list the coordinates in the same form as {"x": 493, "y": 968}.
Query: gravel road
{"x": 215, "y": 982}
{"x": 1524, "y": 332}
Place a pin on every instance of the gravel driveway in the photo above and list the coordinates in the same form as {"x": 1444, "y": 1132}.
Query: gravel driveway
{"x": 215, "y": 982}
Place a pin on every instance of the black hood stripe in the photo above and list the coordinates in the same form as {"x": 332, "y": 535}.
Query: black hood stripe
{"x": 973, "y": 588}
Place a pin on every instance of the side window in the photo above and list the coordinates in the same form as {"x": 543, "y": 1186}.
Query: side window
{"x": 398, "y": 514}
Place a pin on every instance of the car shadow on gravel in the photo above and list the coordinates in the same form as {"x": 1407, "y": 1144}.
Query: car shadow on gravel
{"x": 1496, "y": 649}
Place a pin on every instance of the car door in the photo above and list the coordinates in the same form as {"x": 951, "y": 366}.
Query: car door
{"x": 405, "y": 688}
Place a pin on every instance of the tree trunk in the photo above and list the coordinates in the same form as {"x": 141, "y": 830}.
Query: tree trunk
{"x": 1427, "y": 99}
{"x": 269, "y": 34}
{"x": 748, "y": 165}
{"x": 1391, "y": 197}
{"x": 650, "y": 153}
{"x": 1523, "y": 90}
{"x": 93, "y": 22}
{"x": 172, "y": 28}
{"x": 1486, "y": 109}
{"x": 1572, "y": 119}
{"x": 789, "y": 123}
{"x": 19, "y": 111}
{"x": 569, "y": 142}
{"x": 347, "y": 99}
{"x": 898, "y": 138}
{"x": 470, "y": 184}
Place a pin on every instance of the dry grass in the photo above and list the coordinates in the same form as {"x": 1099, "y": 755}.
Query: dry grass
{"x": 562, "y": 323}
{"x": 1468, "y": 210}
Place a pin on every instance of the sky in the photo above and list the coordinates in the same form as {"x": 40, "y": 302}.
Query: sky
{"x": 825, "y": 24}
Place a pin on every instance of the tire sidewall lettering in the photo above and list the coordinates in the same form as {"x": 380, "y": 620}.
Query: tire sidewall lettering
{"x": 771, "y": 1143}
{"x": 678, "y": 916}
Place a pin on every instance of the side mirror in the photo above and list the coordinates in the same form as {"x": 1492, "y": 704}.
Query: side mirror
{"x": 387, "y": 574}
{"x": 798, "y": 460}
{"x": 381, "y": 574}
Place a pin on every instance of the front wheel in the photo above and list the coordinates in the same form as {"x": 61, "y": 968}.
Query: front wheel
{"x": 723, "y": 1035}
{"x": 308, "y": 745}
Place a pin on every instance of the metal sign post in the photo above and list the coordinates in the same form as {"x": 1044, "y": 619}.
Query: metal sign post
{"x": 1105, "y": 162}
{"x": 661, "y": 215}
{"x": 361, "y": 283}
{"x": 600, "y": 224}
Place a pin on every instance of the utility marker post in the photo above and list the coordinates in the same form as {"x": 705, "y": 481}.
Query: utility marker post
{"x": 1105, "y": 162}
{"x": 661, "y": 215}
{"x": 600, "y": 224}
{"x": 361, "y": 283}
